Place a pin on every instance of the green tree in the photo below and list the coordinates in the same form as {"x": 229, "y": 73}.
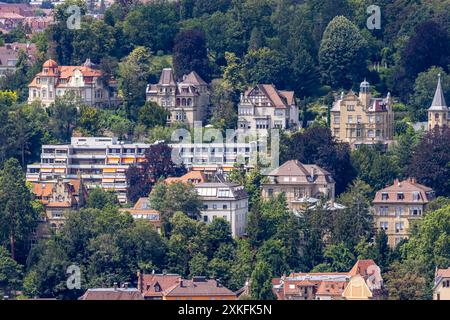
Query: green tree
{"x": 261, "y": 282}
{"x": 342, "y": 53}
{"x": 152, "y": 115}
{"x": 405, "y": 281}
{"x": 63, "y": 116}
{"x": 10, "y": 274}
{"x": 100, "y": 199}
{"x": 17, "y": 217}
{"x": 134, "y": 73}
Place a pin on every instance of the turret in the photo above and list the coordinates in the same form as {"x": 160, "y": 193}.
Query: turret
{"x": 438, "y": 112}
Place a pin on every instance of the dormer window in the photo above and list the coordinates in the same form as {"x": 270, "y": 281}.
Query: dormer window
{"x": 45, "y": 70}
{"x": 157, "y": 288}
{"x": 400, "y": 196}
{"x": 384, "y": 196}
{"x": 416, "y": 196}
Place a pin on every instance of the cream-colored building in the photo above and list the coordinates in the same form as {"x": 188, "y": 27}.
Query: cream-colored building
{"x": 438, "y": 113}
{"x": 263, "y": 107}
{"x": 84, "y": 82}
{"x": 302, "y": 184}
{"x": 395, "y": 207}
{"x": 187, "y": 101}
{"x": 362, "y": 119}
{"x": 441, "y": 289}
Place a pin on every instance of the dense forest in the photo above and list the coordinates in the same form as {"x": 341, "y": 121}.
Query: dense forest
{"x": 318, "y": 48}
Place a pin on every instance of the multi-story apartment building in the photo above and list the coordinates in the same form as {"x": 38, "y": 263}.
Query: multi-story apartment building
{"x": 187, "y": 101}
{"x": 438, "y": 113}
{"x": 362, "y": 119}
{"x": 225, "y": 200}
{"x": 302, "y": 184}
{"x": 441, "y": 288}
{"x": 220, "y": 199}
{"x": 397, "y": 206}
{"x": 99, "y": 161}
{"x": 83, "y": 81}
{"x": 263, "y": 107}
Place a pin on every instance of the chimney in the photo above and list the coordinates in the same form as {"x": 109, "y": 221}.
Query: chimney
{"x": 140, "y": 276}
{"x": 125, "y": 285}
{"x": 313, "y": 172}
{"x": 115, "y": 286}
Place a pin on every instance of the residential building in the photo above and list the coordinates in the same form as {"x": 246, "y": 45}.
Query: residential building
{"x": 362, "y": 282}
{"x": 441, "y": 288}
{"x": 84, "y": 81}
{"x": 362, "y": 119}
{"x": 143, "y": 211}
{"x": 221, "y": 199}
{"x": 199, "y": 288}
{"x": 225, "y": 200}
{"x": 264, "y": 107}
{"x": 187, "y": 101}
{"x": 153, "y": 286}
{"x": 99, "y": 161}
{"x": 115, "y": 293}
{"x": 438, "y": 113}
{"x": 302, "y": 184}
{"x": 397, "y": 206}
{"x": 214, "y": 155}
{"x": 9, "y": 55}
{"x": 58, "y": 197}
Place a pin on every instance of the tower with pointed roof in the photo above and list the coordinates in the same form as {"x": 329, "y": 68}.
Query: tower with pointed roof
{"x": 438, "y": 113}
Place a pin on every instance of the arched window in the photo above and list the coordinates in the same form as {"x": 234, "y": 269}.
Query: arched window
{"x": 183, "y": 102}
{"x": 189, "y": 102}
{"x": 178, "y": 102}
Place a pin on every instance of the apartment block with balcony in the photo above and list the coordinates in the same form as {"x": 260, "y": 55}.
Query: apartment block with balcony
{"x": 263, "y": 107}
{"x": 99, "y": 161}
{"x": 362, "y": 119}
{"x": 187, "y": 101}
{"x": 302, "y": 184}
{"x": 397, "y": 206}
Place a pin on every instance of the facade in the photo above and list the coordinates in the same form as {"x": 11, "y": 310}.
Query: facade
{"x": 83, "y": 81}
{"x": 199, "y": 288}
{"x": 263, "y": 107}
{"x": 397, "y": 206}
{"x": 441, "y": 288}
{"x": 224, "y": 200}
{"x": 58, "y": 199}
{"x": 362, "y": 282}
{"x": 142, "y": 211}
{"x": 302, "y": 184}
{"x": 220, "y": 199}
{"x": 99, "y": 161}
{"x": 187, "y": 101}
{"x": 9, "y": 55}
{"x": 438, "y": 113}
{"x": 362, "y": 119}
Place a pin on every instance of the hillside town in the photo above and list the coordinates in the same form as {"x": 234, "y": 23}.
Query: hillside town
{"x": 227, "y": 150}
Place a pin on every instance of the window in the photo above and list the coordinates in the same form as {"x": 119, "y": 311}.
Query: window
{"x": 358, "y": 119}
{"x": 416, "y": 196}
{"x": 399, "y": 227}
{"x": 270, "y": 192}
{"x": 398, "y": 211}
{"x": 337, "y": 119}
{"x": 350, "y": 107}
{"x": 384, "y": 196}
{"x": 205, "y": 218}
{"x": 384, "y": 211}
{"x": 225, "y": 207}
{"x": 400, "y": 196}
{"x": 384, "y": 225}
{"x": 350, "y": 119}
{"x": 215, "y": 206}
